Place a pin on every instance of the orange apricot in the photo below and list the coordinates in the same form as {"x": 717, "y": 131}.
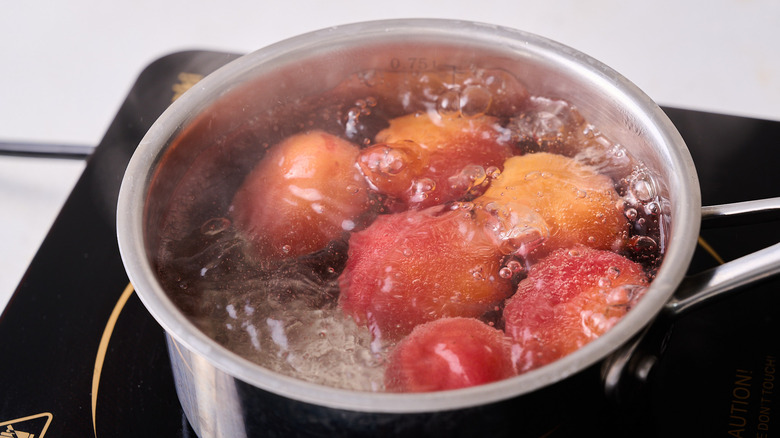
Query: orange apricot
{"x": 425, "y": 159}
{"x": 576, "y": 204}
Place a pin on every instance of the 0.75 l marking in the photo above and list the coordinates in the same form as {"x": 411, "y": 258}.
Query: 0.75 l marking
{"x": 418, "y": 64}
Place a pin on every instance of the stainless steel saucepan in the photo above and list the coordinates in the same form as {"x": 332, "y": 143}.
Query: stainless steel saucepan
{"x": 226, "y": 395}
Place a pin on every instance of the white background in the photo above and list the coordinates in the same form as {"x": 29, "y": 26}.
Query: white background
{"x": 67, "y": 66}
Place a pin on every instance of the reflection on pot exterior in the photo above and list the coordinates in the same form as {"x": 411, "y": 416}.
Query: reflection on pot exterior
{"x": 208, "y": 396}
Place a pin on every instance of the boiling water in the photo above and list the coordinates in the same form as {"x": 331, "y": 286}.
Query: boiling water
{"x": 283, "y": 314}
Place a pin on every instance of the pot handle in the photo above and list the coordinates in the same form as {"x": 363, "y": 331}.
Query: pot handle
{"x": 625, "y": 372}
{"x": 723, "y": 280}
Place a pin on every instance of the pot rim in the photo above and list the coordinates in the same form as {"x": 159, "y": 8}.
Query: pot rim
{"x": 685, "y": 213}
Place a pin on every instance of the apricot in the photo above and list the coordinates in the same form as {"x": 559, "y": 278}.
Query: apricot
{"x": 425, "y": 159}
{"x": 577, "y": 205}
{"x": 304, "y": 193}
{"x": 449, "y": 353}
{"x": 409, "y": 268}
{"x": 568, "y": 299}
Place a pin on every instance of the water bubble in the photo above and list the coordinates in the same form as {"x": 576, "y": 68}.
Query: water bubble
{"x": 364, "y": 108}
{"x": 465, "y": 206}
{"x": 493, "y": 172}
{"x": 368, "y": 78}
{"x": 496, "y": 83}
{"x": 546, "y": 121}
{"x": 635, "y": 293}
{"x": 530, "y": 176}
{"x": 515, "y": 266}
{"x": 613, "y": 272}
{"x": 642, "y": 188}
{"x": 448, "y": 103}
{"x": 390, "y": 161}
{"x": 351, "y": 122}
{"x": 617, "y": 151}
{"x": 492, "y": 207}
{"x": 643, "y": 244}
{"x": 653, "y": 209}
{"x": 422, "y": 188}
{"x": 511, "y": 268}
{"x": 618, "y": 296}
{"x": 389, "y": 167}
{"x": 215, "y": 226}
{"x": 514, "y": 227}
{"x": 476, "y": 174}
{"x": 471, "y": 177}
{"x": 625, "y": 295}
{"x": 630, "y": 213}
{"x": 547, "y": 124}
{"x": 474, "y": 101}
{"x": 286, "y": 249}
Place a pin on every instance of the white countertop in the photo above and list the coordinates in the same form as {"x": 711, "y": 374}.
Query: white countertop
{"x": 67, "y": 67}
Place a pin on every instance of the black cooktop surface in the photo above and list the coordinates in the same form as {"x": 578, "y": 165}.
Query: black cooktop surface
{"x": 82, "y": 357}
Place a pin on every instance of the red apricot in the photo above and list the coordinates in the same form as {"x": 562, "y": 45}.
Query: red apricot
{"x": 568, "y": 299}
{"x": 409, "y": 268}
{"x": 449, "y": 353}
{"x": 304, "y": 193}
